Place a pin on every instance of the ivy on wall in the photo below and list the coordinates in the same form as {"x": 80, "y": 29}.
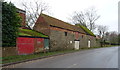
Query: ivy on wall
{"x": 10, "y": 24}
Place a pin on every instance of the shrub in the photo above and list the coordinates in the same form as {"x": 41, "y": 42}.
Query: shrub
{"x": 10, "y": 24}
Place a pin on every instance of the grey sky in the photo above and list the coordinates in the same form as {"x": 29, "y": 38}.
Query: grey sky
{"x": 63, "y": 9}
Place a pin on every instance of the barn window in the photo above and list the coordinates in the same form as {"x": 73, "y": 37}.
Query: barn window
{"x": 82, "y": 36}
{"x": 65, "y": 33}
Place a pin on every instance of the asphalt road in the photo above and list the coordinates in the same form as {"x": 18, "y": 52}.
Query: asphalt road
{"x": 93, "y": 58}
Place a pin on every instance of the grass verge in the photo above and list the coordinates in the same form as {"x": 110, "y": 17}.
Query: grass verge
{"x": 16, "y": 58}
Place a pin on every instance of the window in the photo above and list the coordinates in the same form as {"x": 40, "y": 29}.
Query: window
{"x": 65, "y": 33}
{"x": 82, "y": 36}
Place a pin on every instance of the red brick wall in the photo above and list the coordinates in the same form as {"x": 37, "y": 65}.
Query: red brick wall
{"x": 60, "y": 29}
{"x": 23, "y": 16}
{"x": 41, "y": 26}
{"x": 64, "y": 30}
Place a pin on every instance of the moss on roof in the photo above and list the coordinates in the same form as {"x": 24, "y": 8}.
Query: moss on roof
{"x": 23, "y": 34}
{"x": 27, "y": 32}
{"x": 86, "y": 30}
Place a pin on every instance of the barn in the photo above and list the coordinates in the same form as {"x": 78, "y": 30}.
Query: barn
{"x": 63, "y": 35}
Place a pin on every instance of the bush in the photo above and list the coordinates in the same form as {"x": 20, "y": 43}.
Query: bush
{"x": 10, "y": 24}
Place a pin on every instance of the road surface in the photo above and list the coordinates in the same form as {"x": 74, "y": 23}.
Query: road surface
{"x": 93, "y": 58}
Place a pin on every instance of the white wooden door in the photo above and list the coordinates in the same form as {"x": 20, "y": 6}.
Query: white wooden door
{"x": 76, "y": 45}
{"x": 89, "y": 44}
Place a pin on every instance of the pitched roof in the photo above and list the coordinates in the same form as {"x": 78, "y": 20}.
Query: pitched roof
{"x": 58, "y": 23}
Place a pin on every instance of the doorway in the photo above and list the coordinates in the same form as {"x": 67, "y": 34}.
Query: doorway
{"x": 77, "y": 45}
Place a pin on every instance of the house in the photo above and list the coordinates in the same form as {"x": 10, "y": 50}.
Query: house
{"x": 63, "y": 35}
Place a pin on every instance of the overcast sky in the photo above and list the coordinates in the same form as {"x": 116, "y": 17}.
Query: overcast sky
{"x": 63, "y": 9}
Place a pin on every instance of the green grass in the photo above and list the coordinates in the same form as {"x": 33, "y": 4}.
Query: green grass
{"x": 16, "y": 58}
{"x": 27, "y": 32}
{"x": 110, "y": 45}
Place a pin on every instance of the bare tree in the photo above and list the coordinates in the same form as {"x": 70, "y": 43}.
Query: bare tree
{"x": 79, "y": 18}
{"x": 92, "y": 16}
{"x": 113, "y": 39}
{"x": 86, "y": 18}
{"x": 107, "y": 36}
{"x": 33, "y": 11}
{"x": 102, "y": 30}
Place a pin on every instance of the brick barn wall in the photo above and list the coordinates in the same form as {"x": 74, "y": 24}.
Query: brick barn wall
{"x": 41, "y": 26}
{"x": 84, "y": 41}
{"x": 58, "y": 40}
{"x": 95, "y": 42}
{"x": 60, "y": 29}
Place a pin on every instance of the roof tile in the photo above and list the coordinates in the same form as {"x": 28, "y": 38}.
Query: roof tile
{"x": 58, "y": 23}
